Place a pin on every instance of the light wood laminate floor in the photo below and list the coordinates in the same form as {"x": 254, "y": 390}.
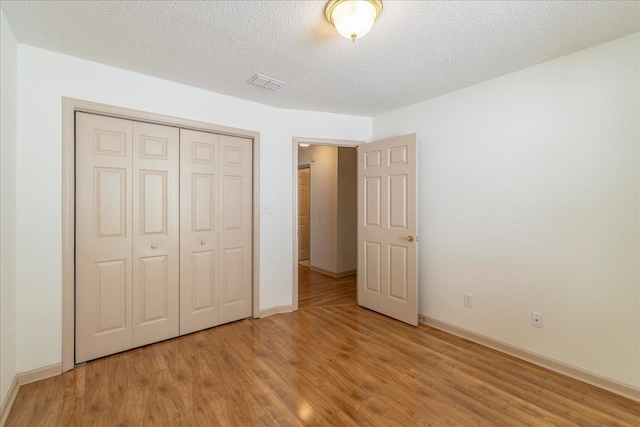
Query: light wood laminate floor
{"x": 319, "y": 290}
{"x": 326, "y": 365}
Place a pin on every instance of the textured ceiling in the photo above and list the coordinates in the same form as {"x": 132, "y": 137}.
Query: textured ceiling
{"x": 416, "y": 50}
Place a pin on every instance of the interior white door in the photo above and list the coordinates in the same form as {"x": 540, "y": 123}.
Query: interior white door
{"x": 103, "y": 236}
{"x": 387, "y": 228}
{"x": 156, "y": 233}
{"x": 304, "y": 238}
{"x": 215, "y": 229}
{"x": 199, "y": 234}
{"x": 235, "y": 225}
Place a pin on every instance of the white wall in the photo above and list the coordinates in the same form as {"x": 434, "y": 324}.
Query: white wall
{"x": 8, "y": 132}
{"x": 347, "y": 210}
{"x": 323, "y": 215}
{"x": 529, "y": 200}
{"x": 43, "y": 79}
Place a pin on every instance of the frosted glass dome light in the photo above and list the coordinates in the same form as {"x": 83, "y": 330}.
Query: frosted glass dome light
{"x": 353, "y": 18}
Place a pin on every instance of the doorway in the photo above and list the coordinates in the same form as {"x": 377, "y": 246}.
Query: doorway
{"x": 325, "y": 214}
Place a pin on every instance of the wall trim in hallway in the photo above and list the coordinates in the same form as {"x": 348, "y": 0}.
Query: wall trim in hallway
{"x": 275, "y": 310}
{"x": 331, "y": 273}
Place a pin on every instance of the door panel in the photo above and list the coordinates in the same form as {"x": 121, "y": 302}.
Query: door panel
{"x": 232, "y": 275}
{"x": 204, "y": 281}
{"x": 398, "y": 272}
{"x": 232, "y": 202}
{"x": 398, "y": 201}
{"x": 372, "y": 201}
{"x": 304, "y": 199}
{"x": 236, "y": 228}
{"x": 199, "y": 236}
{"x": 153, "y": 282}
{"x": 156, "y": 262}
{"x": 372, "y": 267}
{"x": 104, "y": 236}
{"x": 110, "y": 200}
{"x": 203, "y": 202}
{"x": 153, "y": 202}
{"x": 387, "y": 217}
{"x": 111, "y": 293}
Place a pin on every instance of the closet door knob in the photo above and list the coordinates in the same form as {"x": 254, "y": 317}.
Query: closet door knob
{"x": 153, "y": 246}
{"x": 202, "y": 242}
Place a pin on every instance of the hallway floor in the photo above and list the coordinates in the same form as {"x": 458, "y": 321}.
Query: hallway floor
{"x": 319, "y": 290}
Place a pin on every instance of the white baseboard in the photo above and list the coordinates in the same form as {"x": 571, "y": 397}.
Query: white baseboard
{"x": 537, "y": 359}
{"x": 346, "y": 273}
{"x": 332, "y": 273}
{"x": 39, "y": 374}
{"x": 25, "y": 378}
{"x": 276, "y": 310}
{"x": 7, "y": 403}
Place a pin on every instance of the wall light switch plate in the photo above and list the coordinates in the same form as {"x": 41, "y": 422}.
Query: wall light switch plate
{"x": 536, "y": 319}
{"x": 468, "y": 300}
{"x": 266, "y": 208}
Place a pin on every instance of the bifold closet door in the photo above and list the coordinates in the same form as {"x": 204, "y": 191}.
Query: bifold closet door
{"x": 156, "y": 233}
{"x": 104, "y": 237}
{"x": 127, "y": 235}
{"x": 235, "y": 202}
{"x": 215, "y": 229}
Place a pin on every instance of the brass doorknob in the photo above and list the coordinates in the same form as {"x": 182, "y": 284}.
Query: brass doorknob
{"x": 411, "y": 238}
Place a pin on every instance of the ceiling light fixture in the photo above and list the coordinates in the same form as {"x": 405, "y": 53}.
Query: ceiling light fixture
{"x": 303, "y": 145}
{"x": 353, "y": 18}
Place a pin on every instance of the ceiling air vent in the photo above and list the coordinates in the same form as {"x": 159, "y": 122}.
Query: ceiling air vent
{"x": 266, "y": 82}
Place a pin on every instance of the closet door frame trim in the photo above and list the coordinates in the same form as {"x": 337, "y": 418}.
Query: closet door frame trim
{"x": 69, "y": 107}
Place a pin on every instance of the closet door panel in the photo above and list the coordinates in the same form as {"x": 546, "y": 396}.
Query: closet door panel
{"x": 199, "y": 230}
{"x": 235, "y": 228}
{"x": 156, "y": 233}
{"x": 104, "y": 236}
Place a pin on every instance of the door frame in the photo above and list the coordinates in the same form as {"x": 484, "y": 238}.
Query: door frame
{"x": 69, "y": 107}
{"x": 311, "y": 141}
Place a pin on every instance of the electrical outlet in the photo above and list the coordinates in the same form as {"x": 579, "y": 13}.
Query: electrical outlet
{"x": 467, "y": 300}
{"x": 536, "y": 319}
{"x": 266, "y": 208}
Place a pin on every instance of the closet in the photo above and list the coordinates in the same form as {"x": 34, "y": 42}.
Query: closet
{"x": 163, "y": 232}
